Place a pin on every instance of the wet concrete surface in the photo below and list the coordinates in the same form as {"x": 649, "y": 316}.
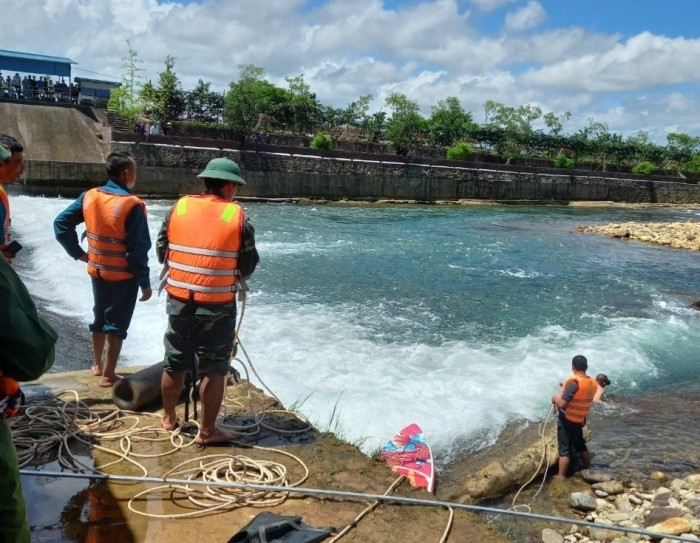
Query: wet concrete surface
{"x": 66, "y": 510}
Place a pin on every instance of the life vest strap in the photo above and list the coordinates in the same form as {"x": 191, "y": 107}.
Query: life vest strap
{"x": 202, "y": 252}
{"x": 105, "y": 267}
{"x": 200, "y": 288}
{"x": 203, "y": 271}
{"x": 104, "y": 239}
{"x": 106, "y": 253}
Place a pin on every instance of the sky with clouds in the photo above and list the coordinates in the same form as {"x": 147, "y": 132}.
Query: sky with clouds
{"x": 633, "y": 65}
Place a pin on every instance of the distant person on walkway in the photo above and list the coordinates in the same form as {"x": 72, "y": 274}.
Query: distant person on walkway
{"x": 208, "y": 247}
{"x": 155, "y": 129}
{"x": 117, "y": 257}
{"x": 26, "y": 352}
{"x": 26, "y": 90}
{"x": 601, "y": 381}
{"x": 573, "y": 404}
{"x": 11, "y": 168}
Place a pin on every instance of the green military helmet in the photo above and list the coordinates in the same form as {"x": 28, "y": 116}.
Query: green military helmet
{"x": 6, "y": 154}
{"x": 223, "y": 168}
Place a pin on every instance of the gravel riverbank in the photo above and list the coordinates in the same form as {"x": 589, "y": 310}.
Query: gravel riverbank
{"x": 681, "y": 235}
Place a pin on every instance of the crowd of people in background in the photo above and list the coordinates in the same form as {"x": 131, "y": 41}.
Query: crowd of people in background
{"x": 41, "y": 89}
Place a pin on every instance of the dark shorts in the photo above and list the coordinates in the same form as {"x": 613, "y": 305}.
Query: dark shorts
{"x": 200, "y": 332}
{"x": 569, "y": 437}
{"x": 114, "y": 305}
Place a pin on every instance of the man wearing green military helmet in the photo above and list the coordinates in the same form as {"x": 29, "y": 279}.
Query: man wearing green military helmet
{"x": 208, "y": 248}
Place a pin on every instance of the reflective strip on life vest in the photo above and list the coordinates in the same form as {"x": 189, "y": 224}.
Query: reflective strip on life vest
{"x": 104, "y": 239}
{"x": 201, "y": 288}
{"x": 108, "y": 268}
{"x": 202, "y": 252}
{"x": 197, "y": 269}
{"x": 102, "y": 252}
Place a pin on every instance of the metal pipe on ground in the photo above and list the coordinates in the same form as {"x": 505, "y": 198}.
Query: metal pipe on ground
{"x": 138, "y": 389}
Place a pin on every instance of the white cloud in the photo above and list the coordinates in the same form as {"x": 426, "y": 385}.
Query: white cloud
{"x": 427, "y": 49}
{"x": 645, "y": 61}
{"x": 525, "y": 18}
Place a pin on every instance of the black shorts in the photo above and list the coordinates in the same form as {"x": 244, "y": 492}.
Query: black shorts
{"x": 569, "y": 437}
{"x": 114, "y": 305}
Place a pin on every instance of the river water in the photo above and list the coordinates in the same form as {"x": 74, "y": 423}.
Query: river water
{"x": 458, "y": 318}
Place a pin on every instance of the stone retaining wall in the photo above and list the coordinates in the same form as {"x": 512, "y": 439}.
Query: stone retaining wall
{"x": 167, "y": 170}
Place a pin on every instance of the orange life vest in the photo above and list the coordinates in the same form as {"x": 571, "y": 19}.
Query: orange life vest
{"x": 204, "y": 239}
{"x": 6, "y": 223}
{"x": 105, "y": 216}
{"x": 580, "y": 404}
{"x": 11, "y": 396}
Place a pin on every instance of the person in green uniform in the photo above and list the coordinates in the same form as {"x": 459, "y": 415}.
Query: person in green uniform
{"x": 26, "y": 352}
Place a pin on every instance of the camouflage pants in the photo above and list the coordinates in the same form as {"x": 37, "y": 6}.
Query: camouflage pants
{"x": 203, "y": 333}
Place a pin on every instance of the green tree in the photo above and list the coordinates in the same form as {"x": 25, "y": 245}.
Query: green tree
{"x": 376, "y": 124}
{"x": 126, "y": 99}
{"x": 355, "y": 114}
{"x": 516, "y": 124}
{"x": 602, "y": 142}
{"x": 406, "y": 124}
{"x": 681, "y": 147}
{"x": 556, "y": 123}
{"x": 692, "y": 166}
{"x": 169, "y": 97}
{"x": 204, "y": 105}
{"x": 449, "y": 122}
{"x": 252, "y": 96}
{"x": 306, "y": 111}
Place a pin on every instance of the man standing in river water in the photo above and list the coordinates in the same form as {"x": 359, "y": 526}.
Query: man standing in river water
{"x": 573, "y": 404}
{"x": 208, "y": 247}
{"x": 117, "y": 257}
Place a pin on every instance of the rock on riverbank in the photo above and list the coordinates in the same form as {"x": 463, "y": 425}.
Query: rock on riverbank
{"x": 682, "y": 235}
{"x": 672, "y": 510}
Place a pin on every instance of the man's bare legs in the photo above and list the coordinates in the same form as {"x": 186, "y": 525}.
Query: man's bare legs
{"x": 211, "y": 393}
{"x": 98, "y": 349}
{"x": 586, "y": 459}
{"x": 564, "y": 463}
{"x": 114, "y": 347}
{"x": 171, "y": 387}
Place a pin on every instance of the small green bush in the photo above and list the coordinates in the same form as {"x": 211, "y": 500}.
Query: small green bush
{"x": 321, "y": 141}
{"x": 644, "y": 168}
{"x": 563, "y": 161}
{"x": 459, "y": 151}
{"x": 692, "y": 165}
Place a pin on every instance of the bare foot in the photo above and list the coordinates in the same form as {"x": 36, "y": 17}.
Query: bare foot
{"x": 169, "y": 423}
{"x": 108, "y": 381}
{"x": 96, "y": 370}
{"x": 217, "y": 435}
{"x": 559, "y": 478}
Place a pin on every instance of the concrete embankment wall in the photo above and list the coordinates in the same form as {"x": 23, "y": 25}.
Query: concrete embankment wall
{"x": 56, "y": 132}
{"x": 167, "y": 171}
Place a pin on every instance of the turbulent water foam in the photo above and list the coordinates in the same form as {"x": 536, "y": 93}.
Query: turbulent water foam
{"x": 460, "y": 321}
